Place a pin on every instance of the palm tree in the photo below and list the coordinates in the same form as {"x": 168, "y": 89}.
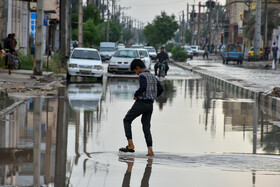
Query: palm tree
{"x": 273, "y": 22}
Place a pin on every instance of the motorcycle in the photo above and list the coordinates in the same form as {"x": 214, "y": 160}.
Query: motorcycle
{"x": 12, "y": 59}
{"x": 161, "y": 68}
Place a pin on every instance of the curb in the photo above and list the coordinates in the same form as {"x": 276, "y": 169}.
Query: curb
{"x": 271, "y": 105}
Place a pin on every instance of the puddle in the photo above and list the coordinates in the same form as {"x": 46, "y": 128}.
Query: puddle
{"x": 199, "y": 131}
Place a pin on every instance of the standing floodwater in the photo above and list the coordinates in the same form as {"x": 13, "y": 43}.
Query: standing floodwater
{"x": 203, "y": 136}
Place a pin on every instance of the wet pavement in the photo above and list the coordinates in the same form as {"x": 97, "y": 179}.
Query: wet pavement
{"x": 262, "y": 79}
{"x": 203, "y": 136}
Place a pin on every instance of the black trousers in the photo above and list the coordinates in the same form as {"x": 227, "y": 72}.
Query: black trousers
{"x": 140, "y": 108}
{"x": 156, "y": 67}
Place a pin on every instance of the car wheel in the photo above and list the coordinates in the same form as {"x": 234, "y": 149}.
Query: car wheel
{"x": 109, "y": 71}
{"x": 100, "y": 78}
{"x": 68, "y": 76}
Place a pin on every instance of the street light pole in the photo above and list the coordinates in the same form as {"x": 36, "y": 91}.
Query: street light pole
{"x": 80, "y": 26}
{"x": 39, "y": 38}
{"x": 257, "y": 37}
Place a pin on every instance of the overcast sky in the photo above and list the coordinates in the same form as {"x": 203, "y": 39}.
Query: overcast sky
{"x": 146, "y": 10}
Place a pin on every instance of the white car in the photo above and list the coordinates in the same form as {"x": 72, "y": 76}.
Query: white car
{"x": 120, "y": 46}
{"x": 152, "y": 52}
{"x": 189, "y": 51}
{"x": 121, "y": 60}
{"x": 84, "y": 62}
{"x": 197, "y": 50}
{"x": 145, "y": 53}
{"x": 84, "y": 96}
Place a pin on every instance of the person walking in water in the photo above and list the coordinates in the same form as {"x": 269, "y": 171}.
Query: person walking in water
{"x": 149, "y": 89}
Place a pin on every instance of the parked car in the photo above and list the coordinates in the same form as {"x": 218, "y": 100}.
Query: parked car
{"x": 107, "y": 49}
{"x": 120, "y": 46}
{"x": 121, "y": 60}
{"x": 251, "y": 54}
{"x": 189, "y": 51}
{"x": 145, "y": 53}
{"x": 152, "y": 52}
{"x": 233, "y": 52}
{"x": 197, "y": 50}
{"x": 137, "y": 46}
{"x": 84, "y": 62}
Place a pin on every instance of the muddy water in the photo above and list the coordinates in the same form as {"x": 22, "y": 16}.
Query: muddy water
{"x": 203, "y": 136}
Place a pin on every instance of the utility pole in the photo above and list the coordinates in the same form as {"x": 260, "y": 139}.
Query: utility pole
{"x": 183, "y": 28}
{"x": 65, "y": 29}
{"x": 192, "y": 23}
{"x": 103, "y": 9}
{"x": 198, "y": 27}
{"x": 80, "y": 25}
{"x": 39, "y": 38}
{"x": 210, "y": 26}
{"x": 265, "y": 22}
{"x": 257, "y": 37}
{"x": 37, "y": 121}
{"x": 188, "y": 20}
{"x": 216, "y": 29}
{"x": 108, "y": 22}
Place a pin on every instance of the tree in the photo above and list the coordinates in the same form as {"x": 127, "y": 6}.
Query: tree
{"x": 273, "y": 22}
{"x": 91, "y": 34}
{"x": 161, "y": 29}
{"x": 188, "y": 36}
{"x": 179, "y": 54}
{"x": 114, "y": 33}
{"x": 92, "y": 12}
{"x": 127, "y": 35}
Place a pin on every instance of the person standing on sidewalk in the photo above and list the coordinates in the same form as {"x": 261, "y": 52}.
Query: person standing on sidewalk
{"x": 206, "y": 51}
{"x": 150, "y": 88}
{"x": 266, "y": 52}
{"x": 274, "y": 51}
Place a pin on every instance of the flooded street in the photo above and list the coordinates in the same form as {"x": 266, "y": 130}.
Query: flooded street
{"x": 203, "y": 136}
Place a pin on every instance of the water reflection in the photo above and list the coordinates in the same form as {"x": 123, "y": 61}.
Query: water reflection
{"x": 168, "y": 94}
{"x": 85, "y": 121}
{"x": 122, "y": 88}
{"x": 127, "y": 175}
{"x": 28, "y": 135}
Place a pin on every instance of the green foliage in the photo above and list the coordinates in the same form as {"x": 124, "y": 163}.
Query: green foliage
{"x": 75, "y": 6}
{"x": 150, "y": 36}
{"x": 91, "y": 12}
{"x": 169, "y": 47}
{"x": 26, "y": 61}
{"x": 161, "y": 30}
{"x": 75, "y": 34}
{"x": 127, "y": 35}
{"x": 179, "y": 54}
{"x": 74, "y": 21}
{"x": 188, "y": 36}
{"x": 54, "y": 64}
{"x": 272, "y": 23}
{"x": 115, "y": 31}
{"x": 91, "y": 34}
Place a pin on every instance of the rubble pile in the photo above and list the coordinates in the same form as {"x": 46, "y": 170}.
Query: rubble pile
{"x": 275, "y": 92}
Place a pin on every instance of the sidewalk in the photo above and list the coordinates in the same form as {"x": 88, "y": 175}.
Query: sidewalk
{"x": 250, "y": 82}
{"x": 22, "y": 84}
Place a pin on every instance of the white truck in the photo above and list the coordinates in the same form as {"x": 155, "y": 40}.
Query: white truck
{"x": 107, "y": 49}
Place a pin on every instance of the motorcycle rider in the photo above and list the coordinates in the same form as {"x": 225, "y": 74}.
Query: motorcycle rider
{"x": 161, "y": 57}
